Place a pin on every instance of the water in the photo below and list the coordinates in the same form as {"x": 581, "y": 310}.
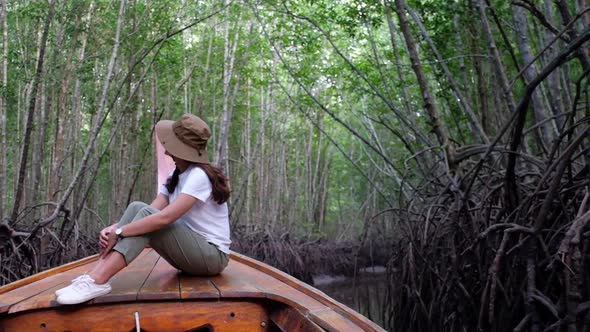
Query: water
{"x": 367, "y": 294}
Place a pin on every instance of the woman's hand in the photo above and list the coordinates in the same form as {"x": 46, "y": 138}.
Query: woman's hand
{"x": 103, "y": 239}
{"x": 112, "y": 239}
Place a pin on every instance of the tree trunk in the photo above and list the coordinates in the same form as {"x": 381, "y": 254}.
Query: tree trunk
{"x": 76, "y": 115}
{"x": 120, "y": 165}
{"x": 201, "y": 93}
{"x": 18, "y": 196}
{"x": 566, "y": 17}
{"x": 229, "y": 57}
{"x": 497, "y": 59}
{"x": 554, "y": 89}
{"x": 249, "y": 158}
{"x": 261, "y": 172}
{"x": 481, "y": 90}
{"x": 461, "y": 99}
{"x": 398, "y": 65}
{"x": 39, "y": 141}
{"x": 47, "y": 108}
{"x": 3, "y": 109}
{"x": 521, "y": 30}
{"x": 429, "y": 103}
{"x": 97, "y": 123}
{"x": 57, "y": 166}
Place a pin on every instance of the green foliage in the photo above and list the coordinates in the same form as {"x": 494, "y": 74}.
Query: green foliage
{"x": 335, "y": 59}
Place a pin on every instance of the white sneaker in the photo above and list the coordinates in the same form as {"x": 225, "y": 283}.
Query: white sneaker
{"x": 83, "y": 291}
{"x": 74, "y": 281}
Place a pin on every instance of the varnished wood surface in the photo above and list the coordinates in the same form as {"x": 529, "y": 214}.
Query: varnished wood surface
{"x": 288, "y": 319}
{"x": 128, "y": 283}
{"x": 150, "y": 278}
{"x": 48, "y": 273}
{"x": 162, "y": 283}
{"x": 153, "y": 316}
{"x": 37, "y": 294}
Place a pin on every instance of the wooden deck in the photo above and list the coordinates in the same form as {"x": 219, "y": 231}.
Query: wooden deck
{"x": 247, "y": 296}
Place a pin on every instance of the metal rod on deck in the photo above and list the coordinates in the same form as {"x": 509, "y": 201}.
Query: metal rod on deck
{"x": 137, "y": 326}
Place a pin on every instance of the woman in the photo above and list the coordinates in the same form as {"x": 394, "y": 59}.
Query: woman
{"x": 187, "y": 223}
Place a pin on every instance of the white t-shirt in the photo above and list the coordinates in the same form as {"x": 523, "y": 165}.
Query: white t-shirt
{"x": 206, "y": 217}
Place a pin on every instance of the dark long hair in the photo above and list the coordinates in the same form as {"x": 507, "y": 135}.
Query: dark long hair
{"x": 219, "y": 184}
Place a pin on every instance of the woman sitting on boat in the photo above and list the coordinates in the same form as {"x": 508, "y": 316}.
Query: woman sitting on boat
{"x": 187, "y": 223}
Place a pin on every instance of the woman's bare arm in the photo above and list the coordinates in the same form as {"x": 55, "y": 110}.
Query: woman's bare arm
{"x": 160, "y": 202}
{"x": 166, "y": 216}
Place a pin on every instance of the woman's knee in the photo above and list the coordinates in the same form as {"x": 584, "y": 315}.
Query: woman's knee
{"x": 136, "y": 206}
{"x": 146, "y": 210}
{"x": 130, "y": 212}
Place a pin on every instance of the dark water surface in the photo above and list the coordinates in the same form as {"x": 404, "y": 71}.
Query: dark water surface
{"x": 367, "y": 294}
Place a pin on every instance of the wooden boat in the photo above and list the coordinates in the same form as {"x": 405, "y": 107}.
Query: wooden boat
{"x": 151, "y": 295}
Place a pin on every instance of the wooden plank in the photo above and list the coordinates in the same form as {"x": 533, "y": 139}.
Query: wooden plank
{"x": 240, "y": 277}
{"x": 222, "y": 316}
{"x": 334, "y": 322}
{"x": 41, "y": 286}
{"x": 232, "y": 284}
{"x": 47, "y": 273}
{"x": 276, "y": 290}
{"x": 162, "y": 283}
{"x": 318, "y": 295}
{"x": 4, "y": 307}
{"x": 289, "y": 319}
{"x": 47, "y": 298}
{"x": 127, "y": 283}
{"x": 290, "y": 296}
{"x": 197, "y": 288}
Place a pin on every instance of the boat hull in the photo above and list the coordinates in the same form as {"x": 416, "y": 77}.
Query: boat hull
{"x": 247, "y": 296}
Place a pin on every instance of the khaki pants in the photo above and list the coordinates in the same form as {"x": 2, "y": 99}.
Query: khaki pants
{"x": 176, "y": 243}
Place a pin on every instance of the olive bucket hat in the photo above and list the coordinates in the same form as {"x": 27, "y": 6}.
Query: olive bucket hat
{"x": 185, "y": 138}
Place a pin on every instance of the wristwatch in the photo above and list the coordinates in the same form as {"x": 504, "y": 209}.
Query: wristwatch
{"x": 119, "y": 232}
